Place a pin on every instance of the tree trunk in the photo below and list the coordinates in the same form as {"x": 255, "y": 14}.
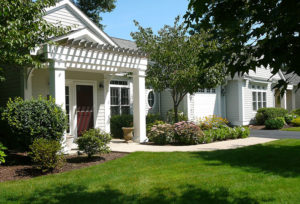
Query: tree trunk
{"x": 175, "y": 113}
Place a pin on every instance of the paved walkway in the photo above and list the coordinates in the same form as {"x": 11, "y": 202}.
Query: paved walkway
{"x": 275, "y": 134}
{"x": 120, "y": 146}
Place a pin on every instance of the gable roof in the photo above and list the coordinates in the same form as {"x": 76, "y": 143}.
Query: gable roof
{"x": 127, "y": 44}
{"x": 292, "y": 78}
{"x": 76, "y": 17}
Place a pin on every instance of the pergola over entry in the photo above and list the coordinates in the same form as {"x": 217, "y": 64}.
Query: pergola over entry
{"x": 84, "y": 55}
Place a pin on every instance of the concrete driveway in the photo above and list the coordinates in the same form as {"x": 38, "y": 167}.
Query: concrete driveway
{"x": 275, "y": 134}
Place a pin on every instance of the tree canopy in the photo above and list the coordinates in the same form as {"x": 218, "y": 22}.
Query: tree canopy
{"x": 179, "y": 62}
{"x": 261, "y": 32}
{"x": 22, "y": 29}
{"x": 93, "y": 8}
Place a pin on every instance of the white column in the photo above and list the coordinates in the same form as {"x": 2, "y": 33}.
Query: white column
{"x": 283, "y": 101}
{"x": 139, "y": 106}
{"x": 57, "y": 82}
{"x": 107, "y": 79}
{"x": 57, "y": 91}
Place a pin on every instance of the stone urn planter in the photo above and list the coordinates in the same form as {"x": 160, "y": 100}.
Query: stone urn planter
{"x": 127, "y": 133}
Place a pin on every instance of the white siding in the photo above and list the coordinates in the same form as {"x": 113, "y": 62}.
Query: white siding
{"x": 167, "y": 103}
{"x": 64, "y": 17}
{"x": 232, "y": 101}
{"x": 264, "y": 73}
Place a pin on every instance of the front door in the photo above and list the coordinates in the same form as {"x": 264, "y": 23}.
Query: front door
{"x": 85, "y": 115}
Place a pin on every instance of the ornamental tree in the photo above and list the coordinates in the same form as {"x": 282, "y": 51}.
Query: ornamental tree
{"x": 178, "y": 62}
{"x": 262, "y": 33}
{"x": 22, "y": 29}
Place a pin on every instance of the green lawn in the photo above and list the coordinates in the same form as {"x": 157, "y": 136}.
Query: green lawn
{"x": 291, "y": 129}
{"x": 257, "y": 174}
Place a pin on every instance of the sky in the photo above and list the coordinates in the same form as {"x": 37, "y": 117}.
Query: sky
{"x": 149, "y": 13}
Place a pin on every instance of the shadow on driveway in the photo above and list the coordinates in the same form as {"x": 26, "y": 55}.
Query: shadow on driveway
{"x": 276, "y": 134}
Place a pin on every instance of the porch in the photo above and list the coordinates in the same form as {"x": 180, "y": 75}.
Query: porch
{"x": 79, "y": 78}
{"x": 288, "y": 100}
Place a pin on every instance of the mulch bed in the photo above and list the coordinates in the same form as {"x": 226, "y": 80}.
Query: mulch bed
{"x": 19, "y": 166}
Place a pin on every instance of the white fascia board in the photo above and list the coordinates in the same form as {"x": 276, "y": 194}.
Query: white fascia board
{"x": 87, "y": 22}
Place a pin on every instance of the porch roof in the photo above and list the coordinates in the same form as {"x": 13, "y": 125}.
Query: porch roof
{"x": 87, "y": 55}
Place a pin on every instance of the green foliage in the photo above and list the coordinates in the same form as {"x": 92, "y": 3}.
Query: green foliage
{"x": 35, "y": 118}
{"x": 296, "y": 121}
{"x": 94, "y": 141}
{"x": 119, "y": 121}
{"x": 151, "y": 118}
{"x": 226, "y": 133}
{"x": 257, "y": 32}
{"x": 2, "y": 154}
{"x": 297, "y": 112}
{"x": 212, "y": 121}
{"x": 288, "y": 118}
{"x": 161, "y": 134}
{"x": 22, "y": 29}
{"x": 46, "y": 154}
{"x": 182, "y": 62}
{"x": 275, "y": 123}
{"x": 264, "y": 114}
{"x": 187, "y": 133}
{"x": 171, "y": 116}
{"x": 93, "y": 9}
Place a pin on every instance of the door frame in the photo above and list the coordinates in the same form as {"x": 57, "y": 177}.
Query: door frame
{"x": 73, "y": 100}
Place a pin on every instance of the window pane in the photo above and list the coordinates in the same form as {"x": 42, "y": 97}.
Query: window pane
{"x": 201, "y": 90}
{"x": 124, "y": 96}
{"x": 254, "y": 106}
{"x": 115, "y": 110}
{"x": 151, "y": 99}
{"x": 125, "y": 110}
{"x": 264, "y": 96}
{"x": 213, "y": 90}
{"x": 114, "y": 96}
{"x": 265, "y": 104}
{"x": 253, "y": 96}
{"x": 259, "y": 105}
{"x": 208, "y": 90}
{"x": 259, "y": 96}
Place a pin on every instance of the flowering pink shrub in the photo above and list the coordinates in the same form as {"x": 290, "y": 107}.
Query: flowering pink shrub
{"x": 188, "y": 133}
{"x": 161, "y": 134}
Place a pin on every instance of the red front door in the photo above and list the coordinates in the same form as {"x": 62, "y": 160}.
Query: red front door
{"x": 85, "y": 115}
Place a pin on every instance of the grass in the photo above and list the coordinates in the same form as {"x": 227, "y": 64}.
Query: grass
{"x": 291, "y": 129}
{"x": 268, "y": 173}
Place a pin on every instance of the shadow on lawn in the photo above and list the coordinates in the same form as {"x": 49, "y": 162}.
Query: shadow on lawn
{"x": 72, "y": 193}
{"x": 283, "y": 160}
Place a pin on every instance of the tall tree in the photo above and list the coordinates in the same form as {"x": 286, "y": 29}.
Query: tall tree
{"x": 93, "y": 8}
{"x": 22, "y": 29}
{"x": 179, "y": 62}
{"x": 262, "y": 32}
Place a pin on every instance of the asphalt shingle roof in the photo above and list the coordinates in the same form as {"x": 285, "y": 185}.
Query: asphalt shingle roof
{"x": 125, "y": 43}
{"x": 292, "y": 78}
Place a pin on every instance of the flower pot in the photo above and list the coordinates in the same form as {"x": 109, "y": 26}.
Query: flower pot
{"x": 127, "y": 133}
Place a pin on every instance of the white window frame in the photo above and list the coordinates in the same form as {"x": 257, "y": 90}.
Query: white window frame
{"x": 260, "y": 95}
{"x": 120, "y": 87}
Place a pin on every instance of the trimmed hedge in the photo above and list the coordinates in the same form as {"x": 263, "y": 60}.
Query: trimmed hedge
{"x": 296, "y": 121}
{"x": 276, "y": 123}
{"x": 264, "y": 114}
{"x": 31, "y": 119}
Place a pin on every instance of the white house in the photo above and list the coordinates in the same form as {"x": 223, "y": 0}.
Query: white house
{"x": 93, "y": 76}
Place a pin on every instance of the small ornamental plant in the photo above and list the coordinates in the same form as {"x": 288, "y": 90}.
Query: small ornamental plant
{"x": 94, "y": 141}
{"x": 188, "y": 133}
{"x": 213, "y": 121}
{"x": 2, "y": 154}
{"x": 161, "y": 134}
{"x": 46, "y": 154}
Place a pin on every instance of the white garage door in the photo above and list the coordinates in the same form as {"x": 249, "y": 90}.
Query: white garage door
{"x": 205, "y": 103}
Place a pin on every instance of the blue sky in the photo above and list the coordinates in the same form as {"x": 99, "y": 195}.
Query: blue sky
{"x": 149, "y": 13}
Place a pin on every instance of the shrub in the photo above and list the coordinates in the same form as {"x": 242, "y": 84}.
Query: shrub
{"x": 276, "y": 123}
{"x": 161, "y": 134}
{"x": 35, "y": 118}
{"x": 47, "y": 154}
{"x": 2, "y": 154}
{"x": 156, "y": 122}
{"x": 264, "y": 114}
{"x": 171, "y": 116}
{"x": 94, "y": 141}
{"x": 296, "y": 112}
{"x": 212, "y": 121}
{"x": 296, "y": 121}
{"x": 288, "y": 118}
{"x": 187, "y": 133}
{"x": 151, "y": 118}
{"x": 226, "y": 133}
{"x": 119, "y": 121}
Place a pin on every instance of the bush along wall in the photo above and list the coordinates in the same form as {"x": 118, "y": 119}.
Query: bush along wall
{"x": 264, "y": 114}
{"x": 31, "y": 119}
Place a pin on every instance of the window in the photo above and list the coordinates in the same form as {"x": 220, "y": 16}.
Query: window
{"x": 115, "y": 82}
{"x": 213, "y": 90}
{"x": 201, "y": 90}
{"x": 151, "y": 99}
{"x": 207, "y": 90}
{"x": 259, "y": 98}
{"x": 67, "y": 89}
{"x": 119, "y": 101}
